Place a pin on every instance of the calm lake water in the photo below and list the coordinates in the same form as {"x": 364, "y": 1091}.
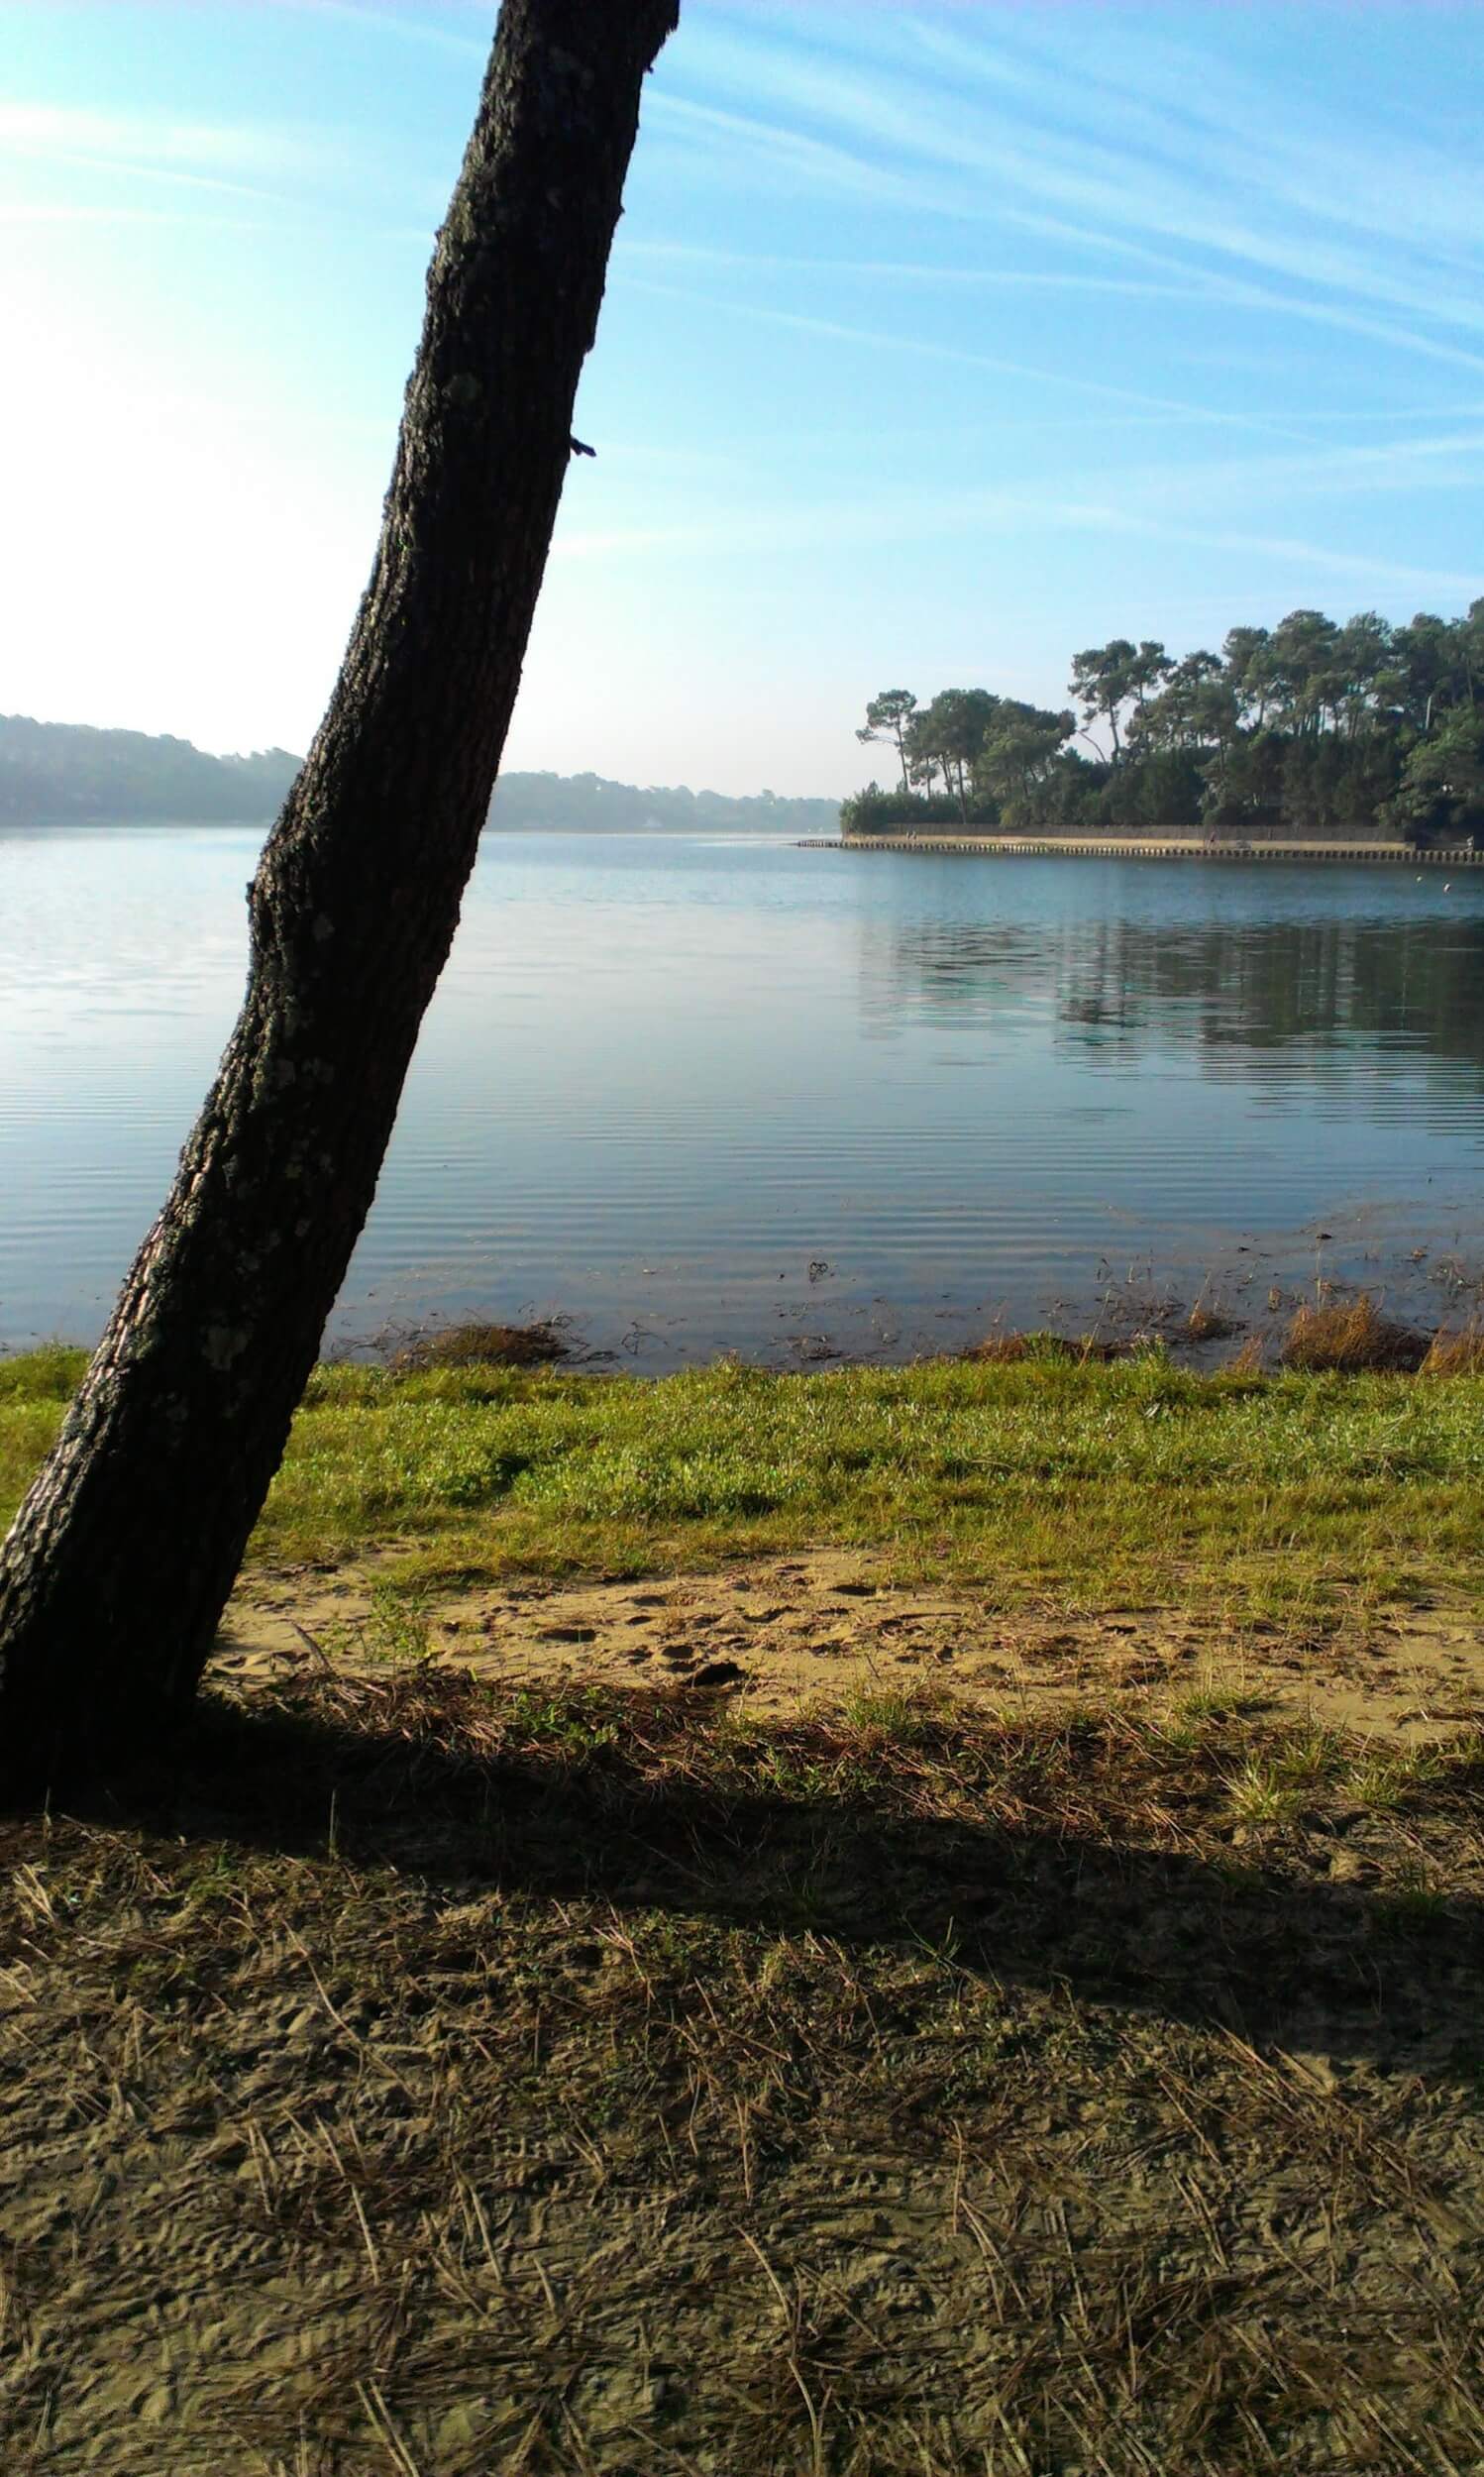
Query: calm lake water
{"x": 709, "y": 1094}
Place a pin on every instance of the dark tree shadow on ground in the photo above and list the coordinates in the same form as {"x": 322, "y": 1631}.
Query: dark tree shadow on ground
{"x": 1263, "y": 1941}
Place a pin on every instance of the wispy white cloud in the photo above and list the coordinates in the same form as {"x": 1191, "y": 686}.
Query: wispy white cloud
{"x": 24, "y": 210}
{"x": 463, "y": 43}
{"x": 1319, "y": 559}
{"x": 1173, "y": 142}
{"x": 885, "y": 340}
{"x": 1183, "y": 283}
{"x": 1446, "y": 460}
{"x": 919, "y": 517}
{"x": 916, "y": 271}
{"x": 723, "y": 138}
{"x": 247, "y": 160}
{"x": 1197, "y": 189}
{"x": 1271, "y": 139}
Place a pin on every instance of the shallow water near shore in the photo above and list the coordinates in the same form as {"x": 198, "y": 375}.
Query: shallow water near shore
{"x": 699, "y": 1094}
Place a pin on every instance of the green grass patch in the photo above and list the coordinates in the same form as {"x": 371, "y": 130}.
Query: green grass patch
{"x": 1096, "y": 1484}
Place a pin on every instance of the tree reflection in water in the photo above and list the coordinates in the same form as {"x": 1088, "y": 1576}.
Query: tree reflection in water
{"x": 1316, "y": 998}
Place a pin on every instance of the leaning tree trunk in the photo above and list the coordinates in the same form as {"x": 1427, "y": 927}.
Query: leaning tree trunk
{"x": 115, "y": 1574}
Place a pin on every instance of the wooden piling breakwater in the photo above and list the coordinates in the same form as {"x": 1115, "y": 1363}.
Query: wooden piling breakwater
{"x": 1020, "y": 847}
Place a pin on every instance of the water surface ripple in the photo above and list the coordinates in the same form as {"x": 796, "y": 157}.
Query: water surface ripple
{"x": 724, "y": 1093}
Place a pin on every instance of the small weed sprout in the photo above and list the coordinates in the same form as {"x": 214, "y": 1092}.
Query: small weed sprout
{"x": 888, "y": 1716}
{"x": 1259, "y": 1795}
{"x": 1390, "y": 1778}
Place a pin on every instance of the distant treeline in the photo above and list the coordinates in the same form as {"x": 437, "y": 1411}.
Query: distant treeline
{"x": 52, "y": 771}
{"x": 1313, "y": 727}
{"x": 588, "y": 802}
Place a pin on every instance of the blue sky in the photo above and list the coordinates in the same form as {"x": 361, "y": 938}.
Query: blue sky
{"x": 938, "y": 343}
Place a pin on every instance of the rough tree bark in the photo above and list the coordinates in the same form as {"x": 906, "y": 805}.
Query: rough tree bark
{"x": 118, "y": 1566}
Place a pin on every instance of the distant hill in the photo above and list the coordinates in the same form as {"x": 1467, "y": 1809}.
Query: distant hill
{"x": 589, "y": 803}
{"x": 57, "y": 771}
{"x": 52, "y": 772}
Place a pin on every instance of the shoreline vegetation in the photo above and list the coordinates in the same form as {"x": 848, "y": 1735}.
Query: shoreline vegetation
{"x": 589, "y": 804}
{"x": 1087, "y": 1470}
{"x": 1312, "y": 732}
{"x": 70, "y": 774}
{"x": 849, "y": 1921}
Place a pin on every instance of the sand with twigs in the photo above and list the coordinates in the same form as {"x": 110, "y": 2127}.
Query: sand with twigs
{"x": 777, "y": 1633}
{"x": 770, "y": 2023}
{"x": 434, "y": 2077}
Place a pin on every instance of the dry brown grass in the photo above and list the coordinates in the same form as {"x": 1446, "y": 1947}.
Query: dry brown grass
{"x": 1000, "y": 1349}
{"x": 1208, "y": 1323}
{"x": 1010, "y": 1349}
{"x": 433, "y": 2079}
{"x": 1352, "y": 1336}
{"x": 1459, "y": 1354}
{"x": 480, "y": 1345}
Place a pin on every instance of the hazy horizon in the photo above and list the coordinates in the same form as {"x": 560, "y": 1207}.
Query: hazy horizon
{"x": 507, "y": 772}
{"x": 937, "y": 345}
